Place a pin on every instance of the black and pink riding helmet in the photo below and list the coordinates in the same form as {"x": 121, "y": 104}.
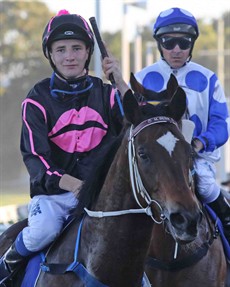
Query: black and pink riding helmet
{"x": 67, "y": 26}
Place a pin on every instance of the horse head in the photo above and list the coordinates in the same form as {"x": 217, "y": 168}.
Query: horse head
{"x": 162, "y": 156}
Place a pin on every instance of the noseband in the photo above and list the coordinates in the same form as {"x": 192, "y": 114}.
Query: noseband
{"x": 136, "y": 181}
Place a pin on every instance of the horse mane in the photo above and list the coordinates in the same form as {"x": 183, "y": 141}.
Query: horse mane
{"x": 95, "y": 179}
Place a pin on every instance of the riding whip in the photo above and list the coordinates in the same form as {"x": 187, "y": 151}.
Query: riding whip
{"x": 105, "y": 54}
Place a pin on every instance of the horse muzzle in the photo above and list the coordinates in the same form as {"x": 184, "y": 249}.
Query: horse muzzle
{"x": 184, "y": 225}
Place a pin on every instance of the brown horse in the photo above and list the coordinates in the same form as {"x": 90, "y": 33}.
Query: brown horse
{"x": 115, "y": 232}
{"x": 170, "y": 262}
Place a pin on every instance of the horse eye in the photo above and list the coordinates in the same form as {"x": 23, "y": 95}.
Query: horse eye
{"x": 142, "y": 154}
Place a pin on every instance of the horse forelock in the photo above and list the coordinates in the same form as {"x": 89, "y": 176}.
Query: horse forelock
{"x": 148, "y": 110}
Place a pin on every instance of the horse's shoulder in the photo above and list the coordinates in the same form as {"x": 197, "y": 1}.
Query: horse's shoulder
{"x": 66, "y": 239}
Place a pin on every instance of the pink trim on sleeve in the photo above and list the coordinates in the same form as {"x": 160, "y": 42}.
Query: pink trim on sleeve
{"x": 55, "y": 172}
{"x": 37, "y": 105}
{"x": 30, "y": 131}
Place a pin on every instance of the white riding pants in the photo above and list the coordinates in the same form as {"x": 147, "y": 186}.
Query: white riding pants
{"x": 47, "y": 214}
{"x": 207, "y": 187}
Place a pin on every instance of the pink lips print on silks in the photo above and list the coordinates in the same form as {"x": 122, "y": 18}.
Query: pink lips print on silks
{"x": 78, "y": 140}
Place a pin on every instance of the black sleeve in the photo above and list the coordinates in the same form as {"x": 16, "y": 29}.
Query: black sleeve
{"x": 35, "y": 149}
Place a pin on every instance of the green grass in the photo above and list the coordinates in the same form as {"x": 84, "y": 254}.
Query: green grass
{"x": 8, "y": 197}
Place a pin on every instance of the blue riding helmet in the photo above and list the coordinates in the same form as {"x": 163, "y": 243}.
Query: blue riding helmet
{"x": 175, "y": 20}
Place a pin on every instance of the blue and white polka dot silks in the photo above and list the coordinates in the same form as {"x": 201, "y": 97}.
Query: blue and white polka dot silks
{"x": 175, "y": 16}
{"x": 206, "y": 101}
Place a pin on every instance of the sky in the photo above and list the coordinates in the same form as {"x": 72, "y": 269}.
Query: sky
{"x": 111, "y": 11}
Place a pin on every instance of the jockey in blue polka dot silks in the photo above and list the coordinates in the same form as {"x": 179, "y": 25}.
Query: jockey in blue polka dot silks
{"x": 176, "y": 31}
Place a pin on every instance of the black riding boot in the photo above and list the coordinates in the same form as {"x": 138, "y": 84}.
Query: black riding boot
{"x": 222, "y": 209}
{"x": 11, "y": 261}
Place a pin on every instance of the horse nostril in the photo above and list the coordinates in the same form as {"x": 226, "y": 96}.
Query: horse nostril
{"x": 183, "y": 222}
{"x": 177, "y": 220}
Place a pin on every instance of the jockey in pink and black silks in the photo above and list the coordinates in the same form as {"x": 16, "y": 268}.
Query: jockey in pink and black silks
{"x": 176, "y": 31}
{"x": 66, "y": 119}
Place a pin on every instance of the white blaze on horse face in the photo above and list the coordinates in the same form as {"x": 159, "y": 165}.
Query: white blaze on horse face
{"x": 168, "y": 141}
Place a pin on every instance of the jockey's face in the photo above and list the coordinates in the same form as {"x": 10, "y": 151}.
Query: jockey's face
{"x": 69, "y": 57}
{"x": 176, "y": 49}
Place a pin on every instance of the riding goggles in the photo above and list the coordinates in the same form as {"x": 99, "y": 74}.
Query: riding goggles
{"x": 170, "y": 43}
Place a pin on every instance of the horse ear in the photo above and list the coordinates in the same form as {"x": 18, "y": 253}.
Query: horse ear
{"x": 144, "y": 94}
{"x": 177, "y": 106}
{"x": 131, "y": 108}
{"x": 136, "y": 86}
{"x": 172, "y": 86}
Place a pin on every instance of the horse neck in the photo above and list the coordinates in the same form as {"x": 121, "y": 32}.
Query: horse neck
{"x": 116, "y": 192}
{"x": 132, "y": 232}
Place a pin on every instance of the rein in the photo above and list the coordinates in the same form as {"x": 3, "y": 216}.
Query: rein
{"x": 136, "y": 181}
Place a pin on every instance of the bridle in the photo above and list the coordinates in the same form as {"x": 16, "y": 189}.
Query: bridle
{"x": 136, "y": 181}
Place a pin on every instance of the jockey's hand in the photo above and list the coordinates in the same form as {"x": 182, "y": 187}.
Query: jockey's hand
{"x": 70, "y": 183}
{"x": 197, "y": 145}
{"x": 111, "y": 65}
